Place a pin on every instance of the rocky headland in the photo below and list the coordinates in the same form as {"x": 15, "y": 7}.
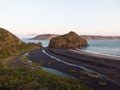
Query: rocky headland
{"x": 69, "y": 40}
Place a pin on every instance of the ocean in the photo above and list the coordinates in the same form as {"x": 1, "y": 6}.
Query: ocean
{"x": 107, "y": 47}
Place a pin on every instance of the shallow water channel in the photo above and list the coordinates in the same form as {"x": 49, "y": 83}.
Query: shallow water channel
{"x": 57, "y": 72}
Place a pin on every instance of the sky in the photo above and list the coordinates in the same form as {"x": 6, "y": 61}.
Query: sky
{"x": 27, "y": 18}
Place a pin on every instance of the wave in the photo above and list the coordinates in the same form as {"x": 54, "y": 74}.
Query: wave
{"x": 98, "y": 53}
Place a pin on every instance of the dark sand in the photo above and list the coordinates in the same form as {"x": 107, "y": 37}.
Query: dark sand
{"x": 106, "y": 65}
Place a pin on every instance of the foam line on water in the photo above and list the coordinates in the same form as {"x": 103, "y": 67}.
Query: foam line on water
{"x": 98, "y": 53}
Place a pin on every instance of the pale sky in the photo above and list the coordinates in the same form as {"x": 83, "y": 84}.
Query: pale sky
{"x": 26, "y": 18}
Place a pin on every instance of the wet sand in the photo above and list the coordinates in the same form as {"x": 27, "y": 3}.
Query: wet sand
{"x": 108, "y": 66}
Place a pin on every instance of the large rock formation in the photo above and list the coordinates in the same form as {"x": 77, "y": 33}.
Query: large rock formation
{"x": 70, "y": 40}
{"x": 10, "y": 44}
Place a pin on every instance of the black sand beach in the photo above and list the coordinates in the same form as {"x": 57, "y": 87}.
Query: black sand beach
{"x": 98, "y": 71}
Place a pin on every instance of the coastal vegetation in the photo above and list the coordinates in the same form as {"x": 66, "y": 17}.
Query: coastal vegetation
{"x": 25, "y": 78}
{"x": 10, "y": 44}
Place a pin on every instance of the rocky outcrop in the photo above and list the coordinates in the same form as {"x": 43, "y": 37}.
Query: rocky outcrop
{"x": 70, "y": 40}
{"x": 10, "y": 44}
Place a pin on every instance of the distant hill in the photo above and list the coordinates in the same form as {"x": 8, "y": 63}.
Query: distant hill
{"x": 45, "y": 36}
{"x": 88, "y": 37}
{"x": 94, "y": 37}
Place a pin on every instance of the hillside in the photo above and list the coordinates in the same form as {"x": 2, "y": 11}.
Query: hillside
{"x": 88, "y": 37}
{"x": 10, "y": 44}
{"x": 95, "y": 37}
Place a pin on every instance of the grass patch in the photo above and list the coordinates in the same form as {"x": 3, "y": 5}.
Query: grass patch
{"x": 25, "y": 78}
{"x": 102, "y": 83}
{"x": 89, "y": 74}
{"x": 35, "y": 64}
{"x": 72, "y": 71}
{"x": 25, "y": 58}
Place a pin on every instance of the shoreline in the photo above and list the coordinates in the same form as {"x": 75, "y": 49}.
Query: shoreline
{"x": 93, "y": 62}
{"x": 97, "y": 53}
{"x": 46, "y": 45}
{"x": 74, "y": 65}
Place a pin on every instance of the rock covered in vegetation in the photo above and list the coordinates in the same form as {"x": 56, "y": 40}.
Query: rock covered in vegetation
{"x": 70, "y": 40}
{"x": 10, "y": 44}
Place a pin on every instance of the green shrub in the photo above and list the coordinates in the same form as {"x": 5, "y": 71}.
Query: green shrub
{"x": 23, "y": 78}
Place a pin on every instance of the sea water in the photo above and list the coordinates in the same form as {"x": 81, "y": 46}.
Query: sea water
{"x": 108, "y": 47}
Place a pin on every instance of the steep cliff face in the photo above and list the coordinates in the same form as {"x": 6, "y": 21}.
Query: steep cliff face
{"x": 10, "y": 44}
{"x": 70, "y": 40}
